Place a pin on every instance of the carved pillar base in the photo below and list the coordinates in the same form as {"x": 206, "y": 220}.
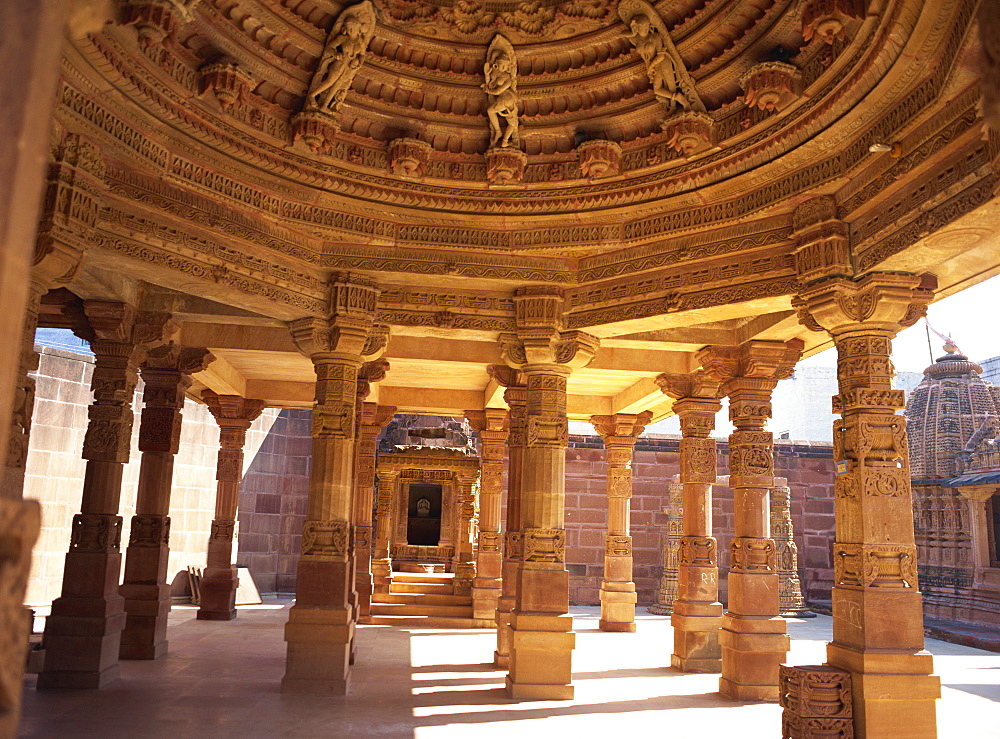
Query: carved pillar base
{"x": 320, "y": 629}
{"x": 501, "y": 657}
{"x": 893, "y": 690}
{"x": 696, "y": 637}
{"x": 218, "y": 594}
{"x": 465, "y": 574}
{"x": 144, "y": 588}
{"x": 83, "y": 632}
{"x": 541, "y": 649}
{"x": 617, "y": 595}
{"x": 381, "y": 574}
{"x": 220, "y": 579}
{"x": 697, "y": 619}
{"x": 753, "y": 648}
{"x": 486, "y": 591}
{"x": 19, "y": 525}
{"x": 755, "y": 643}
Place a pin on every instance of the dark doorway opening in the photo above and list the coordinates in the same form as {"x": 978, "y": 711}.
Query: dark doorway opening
{"x": 424, "y": 515}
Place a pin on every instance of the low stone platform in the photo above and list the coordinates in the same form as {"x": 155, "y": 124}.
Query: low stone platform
{"x": 221, "y": 679}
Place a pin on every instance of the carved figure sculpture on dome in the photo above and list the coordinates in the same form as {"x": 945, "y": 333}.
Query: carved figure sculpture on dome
{"x": 342, "y": 57}
{"x": 501, "y": 91}
{"x": 668, "y": 76}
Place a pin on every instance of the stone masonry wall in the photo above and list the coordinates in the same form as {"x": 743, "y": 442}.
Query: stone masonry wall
{"x": 55, "y": 470}
{"x": 808, "y": 468}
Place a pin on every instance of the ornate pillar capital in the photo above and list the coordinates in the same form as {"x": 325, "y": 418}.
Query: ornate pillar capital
{"x": 698, "y": 385}
{"x": 621, "y": 429}
{"x": 878, "y": 302}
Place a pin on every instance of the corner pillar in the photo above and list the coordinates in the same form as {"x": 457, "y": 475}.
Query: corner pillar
{"x": 234, "y": 415}
{"x": 83, "y": 632}
{"x": 753, "y": 639}
{"x": 697, "y": 612}
{"x": 878, "y": 634}
{"x": 617, "y": 593}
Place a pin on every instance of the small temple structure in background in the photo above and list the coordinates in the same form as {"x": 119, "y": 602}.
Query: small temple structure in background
{"x": 952, "y": 422}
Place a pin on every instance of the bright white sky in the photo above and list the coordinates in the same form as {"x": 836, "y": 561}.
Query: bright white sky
{"x": 967, "y": 316}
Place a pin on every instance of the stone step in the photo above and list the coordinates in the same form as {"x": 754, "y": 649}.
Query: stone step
{"x": 445, "y": 578}
{"x": 426, "y": 622}
{"x": 416, "y": 599}
{"x": 407, "y": 609}
{"x": 420, "y": 587}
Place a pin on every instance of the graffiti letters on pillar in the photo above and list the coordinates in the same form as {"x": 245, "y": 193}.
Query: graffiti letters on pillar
{"x": 325, "y": 539}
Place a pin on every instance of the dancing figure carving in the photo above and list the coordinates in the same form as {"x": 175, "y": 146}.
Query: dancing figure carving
{"x": 501, "y": 91}
{"x": 342, "y": 57}
{"x": 667, "y": 74}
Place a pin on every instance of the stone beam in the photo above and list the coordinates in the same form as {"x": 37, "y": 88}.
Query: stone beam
{"x": 222, "y": 378}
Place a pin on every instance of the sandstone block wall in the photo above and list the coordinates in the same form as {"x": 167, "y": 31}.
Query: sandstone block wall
{"x": 55, "y": 470}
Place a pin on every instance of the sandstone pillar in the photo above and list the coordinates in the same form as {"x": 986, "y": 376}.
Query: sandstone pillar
{"x": 388, "y": 489}
{"x": 753, "y": 638}
{"x": 790, "y": 600}
{"x": 320, "y": 627}
{"x": 167, "y": 376}
{"x": 697, "y": 613}
{"x": 515, "y": 395}
{"x": 492, "y": 426}
{"x": 542, "y": 637}
{"x": 878, "y": 631}
{"x": 83, "y": 633}
{"x": 373, "y": 418}
{"x": 465, "y": 556}
{"x": 234, "y": 415}
{"x": 618, "y": 596}
{"x": 368, "y": 373}
{"x": 667, "y": 593}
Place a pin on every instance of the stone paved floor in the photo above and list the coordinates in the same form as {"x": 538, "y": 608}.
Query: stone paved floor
{"x": 221, "y": 680}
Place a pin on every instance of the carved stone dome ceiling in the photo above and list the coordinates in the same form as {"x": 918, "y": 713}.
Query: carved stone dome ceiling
{"x": 217, "y": 95}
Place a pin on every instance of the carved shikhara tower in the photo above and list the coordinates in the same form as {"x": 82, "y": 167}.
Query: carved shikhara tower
{"x": 303, "y": 190}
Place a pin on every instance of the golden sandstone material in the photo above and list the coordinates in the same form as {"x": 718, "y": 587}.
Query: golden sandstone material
{"x": 228, "y": 169}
